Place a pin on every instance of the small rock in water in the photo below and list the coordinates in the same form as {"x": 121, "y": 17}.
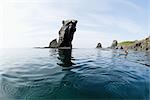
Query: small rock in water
{"x": 114, "y": 44}
{"x": 53, "y": 44}
{"x": 99, "y": 45}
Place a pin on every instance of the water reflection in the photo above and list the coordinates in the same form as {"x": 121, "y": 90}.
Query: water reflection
{"x": 105, "y": 75}
{"x": 65, "y": 56}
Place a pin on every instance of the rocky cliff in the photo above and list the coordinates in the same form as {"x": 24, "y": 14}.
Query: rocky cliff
{"x": 66, "y": 34}
{"x": 137, "y": 45}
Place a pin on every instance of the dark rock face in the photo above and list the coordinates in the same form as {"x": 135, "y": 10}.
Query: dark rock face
{"x": 99, "y": 45}
{"x": 53, "y": 44}
{"x": 119, "y": 47}
{"x": 147, "y": 44}
{"x": 114, "y": 44}
{"x": 66, "y": 33}
{"x": 141, "y": 45}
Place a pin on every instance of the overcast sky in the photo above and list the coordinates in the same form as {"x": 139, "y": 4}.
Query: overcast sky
{"x": 31, "y": 23}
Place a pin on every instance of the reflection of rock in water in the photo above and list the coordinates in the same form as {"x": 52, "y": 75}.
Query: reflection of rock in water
{"x": 65, "y": 57}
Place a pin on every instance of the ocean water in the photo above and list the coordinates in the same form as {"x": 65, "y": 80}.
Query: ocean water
{"x": 49, "y": 74}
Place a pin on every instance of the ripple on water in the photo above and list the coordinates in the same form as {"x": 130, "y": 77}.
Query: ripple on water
{"x": 95, "y": 74}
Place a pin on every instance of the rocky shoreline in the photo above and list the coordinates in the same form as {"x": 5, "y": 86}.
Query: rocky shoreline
{"x": 137, "y": 45}
{"x": 66, "y": 34}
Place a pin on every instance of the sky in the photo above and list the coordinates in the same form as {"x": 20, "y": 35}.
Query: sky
{"x": 34, "y": 23}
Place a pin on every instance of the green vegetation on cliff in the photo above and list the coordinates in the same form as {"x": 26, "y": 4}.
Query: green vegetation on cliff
{"x": 126, "y": 43}
{"x": 137, "y": 45}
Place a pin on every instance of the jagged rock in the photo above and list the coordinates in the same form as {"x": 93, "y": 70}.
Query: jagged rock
{"x": 53, "y": 44}
{"x": 119, "y": 47}
{"x": 99, "y": 45}
{"x": 141, "y": 45}
{"x": 114, "y": 44}
{"x": 66, "y": 33}
{"x": 148, "y": 44}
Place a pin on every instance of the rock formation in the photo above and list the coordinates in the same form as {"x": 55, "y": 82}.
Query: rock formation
{"x": 53, "y": 44}
{"x": 66, "y": 34}
{"x": 143, "y": 45}
{"x": 99, "y": 45}
{"x": 114, "y": 44}
{"x": 120, "y": 47}
{"x": 137, "y": 45}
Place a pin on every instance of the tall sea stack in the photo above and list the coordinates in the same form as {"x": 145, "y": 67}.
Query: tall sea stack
{"x": 66, "y": 34}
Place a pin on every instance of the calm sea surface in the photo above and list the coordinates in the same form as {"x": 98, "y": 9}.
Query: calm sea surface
{"x": 47, "y": 74}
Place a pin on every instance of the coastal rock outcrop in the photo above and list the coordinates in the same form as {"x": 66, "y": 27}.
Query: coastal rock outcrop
{"x": 119, "y": 47}
{"x": 114, "y": 44}
{"x": 66, "y": 34}
{"x": 143, "y": 45}
{"x": 99, "y": 45}
{"x": 137, "y": 45}
{"x": 53, "y": 44}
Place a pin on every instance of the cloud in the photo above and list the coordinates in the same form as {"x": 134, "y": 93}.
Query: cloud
{"x": 36, "y": 22}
